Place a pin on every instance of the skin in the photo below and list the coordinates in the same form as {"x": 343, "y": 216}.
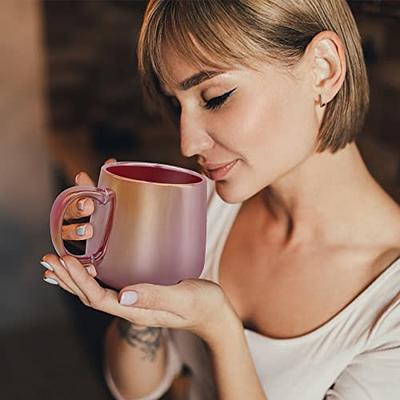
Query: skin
{"x": 147, "y": 339}
{"x": 270, "y": 124}
{"x": 157, "y": 306}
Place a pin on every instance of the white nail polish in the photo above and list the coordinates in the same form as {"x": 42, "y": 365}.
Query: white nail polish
{"x": 80, "y": 230}
{"x": 128, "y": 298}
{"x": 50, "y": 280}
{"x": 76, "y": 178}
{"x": 47, "y": 265}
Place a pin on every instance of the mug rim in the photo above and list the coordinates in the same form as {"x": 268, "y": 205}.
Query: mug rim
{"x": 152, "y": 165}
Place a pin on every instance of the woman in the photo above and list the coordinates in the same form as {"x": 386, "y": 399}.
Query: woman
{"x": 300, "y": 295}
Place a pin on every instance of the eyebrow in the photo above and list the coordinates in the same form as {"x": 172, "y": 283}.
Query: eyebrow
{"x": 196, "y": 79}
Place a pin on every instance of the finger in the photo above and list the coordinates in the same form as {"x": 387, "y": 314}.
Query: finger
{"x": 83, "y": 179}
{"x": 77, "y": 232}
{"x": 183, "y": 299}
{"x": 94, "y": 295}
{"x": 50, "y": 277}
{"x": 62, "y": 274}
{"x": 156, "y": 297}
{"x": 91, "y": 270}
{"x": 106, "y": 300}
{"x": 54, "y": 278}
{"x": 79, "y": 208}
{"x": 83, "y": 207}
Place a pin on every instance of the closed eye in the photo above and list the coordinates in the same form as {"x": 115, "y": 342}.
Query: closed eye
{"x": 217, "y": 102}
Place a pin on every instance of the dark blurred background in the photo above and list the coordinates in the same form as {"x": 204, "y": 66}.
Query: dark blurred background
{"x": 69, "y": 99}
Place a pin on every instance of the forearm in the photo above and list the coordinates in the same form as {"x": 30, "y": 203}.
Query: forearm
{"x": 135, "y": 358}
{"x": 234, "y": 371}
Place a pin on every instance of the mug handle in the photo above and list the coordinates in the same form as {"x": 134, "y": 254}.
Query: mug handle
{"x": 102, "y": 197}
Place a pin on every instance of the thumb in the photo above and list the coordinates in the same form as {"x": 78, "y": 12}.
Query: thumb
{"x": 83, "y": 179}
{"x": 154, "y": 297}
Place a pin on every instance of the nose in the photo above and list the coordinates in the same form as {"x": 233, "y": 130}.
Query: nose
{"x": 193, "y": 135}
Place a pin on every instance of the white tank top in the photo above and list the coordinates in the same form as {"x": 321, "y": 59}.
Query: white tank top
{"x": 353, "y": 356}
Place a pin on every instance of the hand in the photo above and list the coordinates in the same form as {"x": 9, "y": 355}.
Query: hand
{"x": 79, "y": 209}
{"x": 77, "y": 231}
{"x": 196, "y": 305}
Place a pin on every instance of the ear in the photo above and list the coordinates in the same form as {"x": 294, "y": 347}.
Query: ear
{"x": 328, "y": 65}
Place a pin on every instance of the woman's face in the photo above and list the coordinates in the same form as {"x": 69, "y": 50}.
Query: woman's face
{"x": 265, "y": 119}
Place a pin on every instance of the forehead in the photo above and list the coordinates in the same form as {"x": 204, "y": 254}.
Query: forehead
{"x": 176, "y": 68}
{"x": 180, "y": 71}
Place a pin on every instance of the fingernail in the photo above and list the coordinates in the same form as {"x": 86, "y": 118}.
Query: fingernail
{"x": 91, "y": 269}
{"x": 47, "y": 265}
{"x": 76, "y": 178}
{"x": 80, "y": 230}
{"x": 62, "y": 262}
{"x": 81, "y": 204}
{"x": 50, "y": 280}
{"x": 128, "y": 298}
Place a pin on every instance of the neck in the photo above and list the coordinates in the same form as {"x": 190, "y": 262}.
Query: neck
{"x": 329, "y": 198}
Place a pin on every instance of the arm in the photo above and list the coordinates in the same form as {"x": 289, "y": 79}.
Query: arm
{"x": 140, "y": 362}
{"x": 234, "y": 371}
{"x": 196, "y": 305}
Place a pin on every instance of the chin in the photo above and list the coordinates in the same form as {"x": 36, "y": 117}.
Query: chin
{"x": 232, "y": 193}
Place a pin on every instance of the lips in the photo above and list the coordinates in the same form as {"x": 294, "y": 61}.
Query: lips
{"x": 212, "y": 166}
{"x": 216, "y": 172}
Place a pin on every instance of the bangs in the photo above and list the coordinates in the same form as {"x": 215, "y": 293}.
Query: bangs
{"x": 218, "y": 34}
{"x": 203, "y": 33}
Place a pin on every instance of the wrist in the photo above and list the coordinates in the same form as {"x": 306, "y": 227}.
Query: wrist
{"x": 123, "y": 324}
{"x": 229, "y": 324}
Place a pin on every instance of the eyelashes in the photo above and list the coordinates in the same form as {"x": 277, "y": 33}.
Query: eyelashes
{"x": 212, "y": 104}
{"x": 217, "y": 102}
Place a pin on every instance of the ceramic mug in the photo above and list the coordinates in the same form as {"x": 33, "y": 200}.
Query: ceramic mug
{"x": 149, "y": 223}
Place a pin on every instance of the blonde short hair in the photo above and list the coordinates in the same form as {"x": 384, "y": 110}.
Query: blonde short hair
{"x": 221, "y": 33}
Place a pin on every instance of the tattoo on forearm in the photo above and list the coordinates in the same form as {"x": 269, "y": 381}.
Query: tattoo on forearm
{"x": 148, "y": 340}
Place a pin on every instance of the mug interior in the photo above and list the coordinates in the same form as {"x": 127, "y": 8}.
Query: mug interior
{"x": 154, "y": 173}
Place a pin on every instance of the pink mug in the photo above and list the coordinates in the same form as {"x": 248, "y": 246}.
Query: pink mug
{"x": 149, "y": 223}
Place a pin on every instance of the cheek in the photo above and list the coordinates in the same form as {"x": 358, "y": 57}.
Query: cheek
{"x": 272, "y": 136}
{"x": 272, "y": 132}
{"x": 276, "y": 129}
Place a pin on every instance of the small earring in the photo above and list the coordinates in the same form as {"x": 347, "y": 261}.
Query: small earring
{"x": 321, "y": 104}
